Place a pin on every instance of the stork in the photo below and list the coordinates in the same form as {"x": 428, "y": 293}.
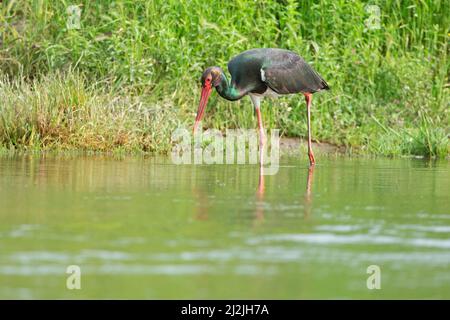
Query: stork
{"x": 259, "y": 73}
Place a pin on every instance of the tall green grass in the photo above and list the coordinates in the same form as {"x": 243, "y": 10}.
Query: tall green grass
{"x": 390, "y": 87}
{"x": 67, "y": 111}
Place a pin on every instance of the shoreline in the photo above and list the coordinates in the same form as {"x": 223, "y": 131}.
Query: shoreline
{"x": 289, "y": 146}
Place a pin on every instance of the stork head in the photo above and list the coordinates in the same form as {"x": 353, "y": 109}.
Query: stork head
{"x": 211, "y": 77}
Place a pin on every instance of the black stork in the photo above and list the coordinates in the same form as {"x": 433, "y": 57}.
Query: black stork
{"x": 259, "y": 73}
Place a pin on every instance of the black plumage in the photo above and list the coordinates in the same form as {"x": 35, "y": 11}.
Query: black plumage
{"x": 260, "y": 72}
{"x": 283, "y": 71}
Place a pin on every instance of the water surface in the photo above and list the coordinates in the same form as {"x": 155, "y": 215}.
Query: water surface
{"x": 145, "y": 228}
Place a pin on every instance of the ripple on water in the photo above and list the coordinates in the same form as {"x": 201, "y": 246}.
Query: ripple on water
{"x": 360, "y": 239}
{"x": 434, "y": 229}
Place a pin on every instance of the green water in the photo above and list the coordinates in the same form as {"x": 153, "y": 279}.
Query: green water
{"x": 145, "y": 228}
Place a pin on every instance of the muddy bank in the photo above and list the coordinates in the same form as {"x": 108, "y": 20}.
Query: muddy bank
{"x": 295, "y": 145}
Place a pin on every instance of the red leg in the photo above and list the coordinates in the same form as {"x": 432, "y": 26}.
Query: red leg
{"x": 261, "y": 135}
{"x": 308, "y": 98}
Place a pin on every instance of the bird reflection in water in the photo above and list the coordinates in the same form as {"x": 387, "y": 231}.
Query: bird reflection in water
{"x": 308, "y": 193}
{"x": 203, "y": 203}
{"x": 259, "y": 211}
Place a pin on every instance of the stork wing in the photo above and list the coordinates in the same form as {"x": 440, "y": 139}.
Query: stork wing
{"x": 289, "y": 73}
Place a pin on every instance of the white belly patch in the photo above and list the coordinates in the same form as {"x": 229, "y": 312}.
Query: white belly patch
{"x": 263, "y": 75}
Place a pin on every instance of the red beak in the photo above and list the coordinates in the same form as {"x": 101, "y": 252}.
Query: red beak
{"x": 206, "y": 91}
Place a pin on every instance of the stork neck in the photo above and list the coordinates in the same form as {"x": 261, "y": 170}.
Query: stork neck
{"x": 228, "y": 90}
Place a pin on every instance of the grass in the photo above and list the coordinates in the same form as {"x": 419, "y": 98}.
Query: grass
{"x": 129, "y": 75}
{"x": 64, "y": 112}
